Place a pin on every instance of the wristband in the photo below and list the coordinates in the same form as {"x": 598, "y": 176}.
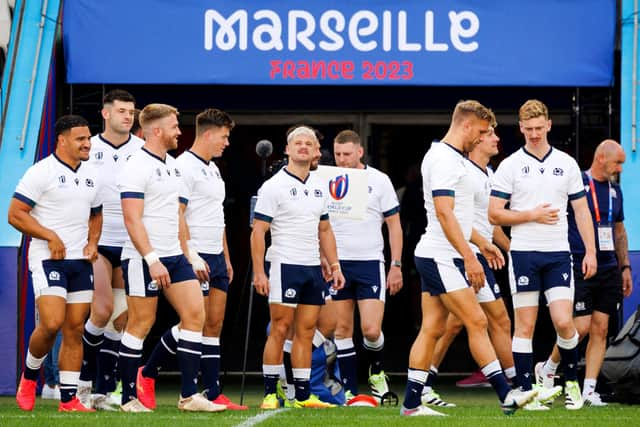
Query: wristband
{"x": 624, "y": 267}
{"x": 151, "y": 258}
{"x": 335, "y": 266}
{"x": 396, "y": 263}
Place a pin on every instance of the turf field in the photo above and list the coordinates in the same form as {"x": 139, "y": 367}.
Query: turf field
{"x": 476, "y": 408}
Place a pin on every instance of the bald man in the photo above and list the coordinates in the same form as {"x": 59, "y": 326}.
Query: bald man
{"x": 600, "y": 296}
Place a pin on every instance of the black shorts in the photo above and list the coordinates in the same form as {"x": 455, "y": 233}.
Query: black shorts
{"x": 602, "y": 292}
{"x": 112, "y": 254}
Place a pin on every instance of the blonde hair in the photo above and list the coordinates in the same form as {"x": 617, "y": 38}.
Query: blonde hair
{"x": 153, "y": 112}
{"x": 532, "y": 109}
{"x": 470, "y": 107}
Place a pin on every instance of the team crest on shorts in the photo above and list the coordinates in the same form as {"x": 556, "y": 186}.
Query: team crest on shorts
{"x": 523, "y": 281}
{"x": 152, "y": 286}
{"x": 54, "y": 275}
{"x": 580, "y": 306}
{"x": 496, "y": 288}
{"x": 565, "y": 276}
{"x": 204, "y": 286}
{"x": 290, "y": 293}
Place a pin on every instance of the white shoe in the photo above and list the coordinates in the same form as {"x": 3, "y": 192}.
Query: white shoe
{"x": 431, "y": 398}
{"x": 593, "y": 399}
{"x": 420, "y": 411}
{"x": 542, "y": 379}
{"x": 535, "y": 405}
{"x": 198, "y": 403}
{"x": 100, "y": 402}
{"x": 52, "y": 393}
{"x": 114, "y": 399}
{"x": 573, "y": 399}
{"x": 84, "y": 395}
{"x": 517, "y": 398}
{"x": 134, "y": 406}
{"x": 547, "y": 395}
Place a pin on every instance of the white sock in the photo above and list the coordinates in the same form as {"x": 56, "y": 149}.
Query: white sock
{"x": 589, "y": 386}
{"x": 550, "y": 367}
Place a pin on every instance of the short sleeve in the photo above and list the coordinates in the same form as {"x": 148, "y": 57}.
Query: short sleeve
{"x": 267, "y": 204}
{"x": 502, "y": 181}
{"x": 575, "y": 185}
{"x": 389, "y": 204}
{"x": 444, "y": 177}
{"x": 98, "y": 198}
{"x": 132, "y": 181}
{"x": 32, "y": 185}
{"x": 186, "y": 181}
{"x": 620, "y": 200}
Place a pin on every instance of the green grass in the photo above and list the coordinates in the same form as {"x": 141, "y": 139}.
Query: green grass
{"x": 476, "y": 408}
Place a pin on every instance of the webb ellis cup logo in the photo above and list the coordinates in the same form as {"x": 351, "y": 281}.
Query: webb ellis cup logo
{"x": 339, "y": 186}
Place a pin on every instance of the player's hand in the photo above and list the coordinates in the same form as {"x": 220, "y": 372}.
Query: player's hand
{"x": 90, "y": 252}
{"x": 589, "y": 265}
{"x": 493, "y": 255}
{"x": 261, "y": 283}
{"x": 326, "y": 269}
{"x": 475, "y": 272}
{"x": 200, "y": 267}
{"x": 56, "y": 247}
{"x": 338, "y": 279}
{"x": 394, "y": 280}
{"x": 160, "y": 274}
{"x": 545, "y": 214}
{"x": 627, "y": 282}
{"x": 229, "y": 269}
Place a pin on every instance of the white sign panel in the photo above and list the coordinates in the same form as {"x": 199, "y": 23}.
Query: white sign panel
{"x": 348, "y": 191}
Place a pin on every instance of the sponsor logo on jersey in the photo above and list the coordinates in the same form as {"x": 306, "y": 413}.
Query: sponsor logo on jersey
{"x": 89, "y": 182}
{"x": 558, "y": 172}
{"x": 525, "y": 170}
{"x": 177, "y": 171}
{"x": 62, "y": 179}
{"x": 317, "y": 193}
{"x": 98, "y": 155}
{"x": 293, "y": 192}
{"x": 339, "y": 187}
{"x": 115, "y": 157}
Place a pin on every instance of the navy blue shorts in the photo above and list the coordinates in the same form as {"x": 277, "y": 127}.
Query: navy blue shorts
{"x": 218, "y": 276}
{"x": 441, "y": 275}
{"x": 531, "y": 271}
{"x": 295, "y": 284}
{"x": 71, "y": 279}
{"x": 363, "y": 280}
{"x": 137, "y": 280}
{"x": 491, "y": 290}
{"x": 602, "y": 292}
{"x": 112, "y": 254}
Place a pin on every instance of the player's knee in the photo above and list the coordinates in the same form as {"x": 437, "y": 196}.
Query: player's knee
{"x": 51, "y": 325}
{"x": 212, "y": 327}
{"x": 565, "y": 326}
{"x": 433, "y": 331}
{"x": 371, "y": 332}
{"x": 598, "y": 330}
{"x": 279, "y": 329}
{"x": 476, "y": 322}
{"x": 501, "y": 323}
{"x": 100, "y": 314}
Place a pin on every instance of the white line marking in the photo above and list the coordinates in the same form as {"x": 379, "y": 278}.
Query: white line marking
{"x": 261, "y": 417}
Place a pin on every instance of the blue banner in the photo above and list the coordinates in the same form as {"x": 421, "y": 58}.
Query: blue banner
{"x": 356, "y": 42}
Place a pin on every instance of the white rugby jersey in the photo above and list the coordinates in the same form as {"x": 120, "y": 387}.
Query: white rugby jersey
{"x": 294, "y": 208}
{"x": 481, "y": 193}
{"x": 444, "y": 173}
{"x": 204, "y": 188}
{"x": 527, "y": 182}
{"x": 158, "y": 182}
{"x": 362, "y": 240}
{"x": 109, "y": 160}
{"x": 62, "y": 200}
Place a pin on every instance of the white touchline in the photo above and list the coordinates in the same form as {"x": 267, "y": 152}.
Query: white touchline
{"x": 261, "y": 417}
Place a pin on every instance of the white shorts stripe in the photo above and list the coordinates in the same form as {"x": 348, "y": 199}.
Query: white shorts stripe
{"x": 135, "y": 275}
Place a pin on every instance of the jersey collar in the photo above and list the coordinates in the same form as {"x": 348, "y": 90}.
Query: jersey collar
{"x": 484, "y": 171}
{"x": 295, "y": 177}
{"x": 451, "y": 146}
{"x": 543, "y": 157}
{"x": 66, "y": 164}
{"x": 198, "y": 157}
{"x": 153, "y": 155}
{"x": 111, "y": 145}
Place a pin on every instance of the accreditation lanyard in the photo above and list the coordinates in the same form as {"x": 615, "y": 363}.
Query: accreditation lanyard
{"x": 596, "y": 207}
{"x": 605, "y": 232}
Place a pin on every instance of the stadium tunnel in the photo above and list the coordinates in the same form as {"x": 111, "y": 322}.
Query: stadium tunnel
{"x": 99, "y": 48}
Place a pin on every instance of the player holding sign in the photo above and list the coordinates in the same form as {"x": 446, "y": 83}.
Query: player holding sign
{"x": 360, "y": 245}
